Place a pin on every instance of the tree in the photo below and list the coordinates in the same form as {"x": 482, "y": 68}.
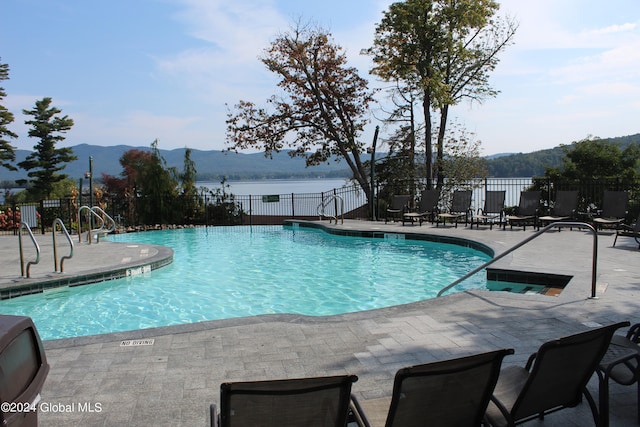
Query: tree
{"x": 7, "y": 151}
{"x": 147, "y": 185}
{"x": 189, "y": 194}
{"x": 46, "y": 160}
{"x": 462, "y": 161}
{"x": 444, "y": 50}
{"x": 321, "y": 111}
{"x": 132, "y": 162}
{"x": 596, "y": 159}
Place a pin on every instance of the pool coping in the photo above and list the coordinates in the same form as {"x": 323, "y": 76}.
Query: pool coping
{"x": 29, "y": 286}
{"x": 377, "y": 234}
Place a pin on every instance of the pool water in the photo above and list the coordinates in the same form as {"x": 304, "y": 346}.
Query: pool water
{"x": 227, "y": 272}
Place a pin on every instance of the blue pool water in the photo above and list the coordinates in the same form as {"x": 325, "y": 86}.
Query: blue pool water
{"x": 226, "y": 272}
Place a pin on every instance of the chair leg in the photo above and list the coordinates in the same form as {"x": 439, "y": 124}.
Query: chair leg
{"x": 603, "y": 396}
{"x": 638, "y": 398}
{"x": 213, "y": 414}
{"x": 597, "y": 418}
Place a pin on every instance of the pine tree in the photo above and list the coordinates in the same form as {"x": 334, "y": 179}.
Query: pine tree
{"x": 46, "y": 160}
{"x": 7, "y": 151}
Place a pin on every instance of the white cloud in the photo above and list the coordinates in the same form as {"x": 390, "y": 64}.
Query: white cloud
{"x": 227, "y": 67}
{"x": 238, "y": 27}
{"x": 612, "y": 29}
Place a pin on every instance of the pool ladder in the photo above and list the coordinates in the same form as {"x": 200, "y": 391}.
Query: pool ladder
{"x": 24, "y": 226}
{"x": 100, "y": 215}
{"x": 322, "y": 206}
{"x": 594, "y": 261}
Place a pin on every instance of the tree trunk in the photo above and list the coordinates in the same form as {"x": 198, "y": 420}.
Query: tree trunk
{"x": 444, "y": 112}
{"x": 428, "y": 154}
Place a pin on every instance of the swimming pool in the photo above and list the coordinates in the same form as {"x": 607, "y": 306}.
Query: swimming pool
{"x": 227, "y": 272}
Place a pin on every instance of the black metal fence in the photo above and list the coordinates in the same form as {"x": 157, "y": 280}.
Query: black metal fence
{"x": 274, "y": 208}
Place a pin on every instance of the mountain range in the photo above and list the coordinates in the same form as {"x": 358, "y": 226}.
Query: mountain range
{"x": 213, "y": 165}
{"x": 210, "y": 165}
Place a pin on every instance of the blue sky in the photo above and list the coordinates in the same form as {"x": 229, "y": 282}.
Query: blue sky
{"x": 131, "y": 71}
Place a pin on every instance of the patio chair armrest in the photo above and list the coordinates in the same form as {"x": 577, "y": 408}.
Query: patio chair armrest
{"x": 633, "y": 334}
{"x": 530, "y": 361}
{"x": 611, "y": 363}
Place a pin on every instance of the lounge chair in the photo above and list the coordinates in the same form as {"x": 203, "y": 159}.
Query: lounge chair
{"x": 399, "y": 205}
{"x": 527, "y": 210}
{"x": 621, "y": 363}
{"x": 493, "y": 209}
{"x": 554, "y": 378}
{"x": 319, "y": 401}
{"x": 629, "y": 231}
{"x": 453, "y": 392}
{"x": 614, "y": 209}
{"x": 460, "y": 208}
{"x": 427, "y": 209}
{"x": 564, "y": 208}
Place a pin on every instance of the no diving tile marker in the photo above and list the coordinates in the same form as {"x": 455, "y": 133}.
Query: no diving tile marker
{"x": 136, "y": 343}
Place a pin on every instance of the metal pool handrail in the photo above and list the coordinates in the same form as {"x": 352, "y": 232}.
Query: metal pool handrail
{"x": 100, "y": 211}
{"x": 33, "y": 239}
{"x": 594, "y": 262}
{"x": 92, "y": 212}
{"x": 333, "y": 198}
{"x": 55, "y": 248}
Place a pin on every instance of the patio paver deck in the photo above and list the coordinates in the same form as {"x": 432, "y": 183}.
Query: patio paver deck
{"x": 173, "y": 381}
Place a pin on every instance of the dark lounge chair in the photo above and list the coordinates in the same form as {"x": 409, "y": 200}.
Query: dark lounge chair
{"x": 554, "y": 378}
{"x": 564, "y": 208}
{"x": 493, "y": 209}
{"x": 527, "y": 210}
{"x": 427, "y": 208}
{"x": 460, "y": 208}
{"x": 452, "y": 393}
{"x": 614, "y": 210}
{"x": 629, "y": 231}
{"x": 621, "y": 363}
{"x": 399, "y": 205}
{"x": 319, "y": 401}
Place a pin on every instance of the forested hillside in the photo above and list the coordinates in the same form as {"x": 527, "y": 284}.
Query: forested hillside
{"x": 214, "y": 165}
{"x": 534, "y": 164}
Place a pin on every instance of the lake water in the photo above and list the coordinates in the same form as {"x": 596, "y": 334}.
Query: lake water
{"x": 258, "y": 188}
{"x": 513, "y": 187}
{"x": 278, "y": 186}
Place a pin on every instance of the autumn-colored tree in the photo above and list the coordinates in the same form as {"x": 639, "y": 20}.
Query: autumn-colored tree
{"x": 46, "y": 160}
{"x": 133, "y": 162}
{"x": 321, "y": 111}
{"x": 7, "y": 151}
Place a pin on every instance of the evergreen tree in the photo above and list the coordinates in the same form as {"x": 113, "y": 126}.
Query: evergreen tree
{"x": 46, "y": 160}
{"x": 7, "y": 151}
{"x": 190, "y": 203}
{"x": 158, "y": 186}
